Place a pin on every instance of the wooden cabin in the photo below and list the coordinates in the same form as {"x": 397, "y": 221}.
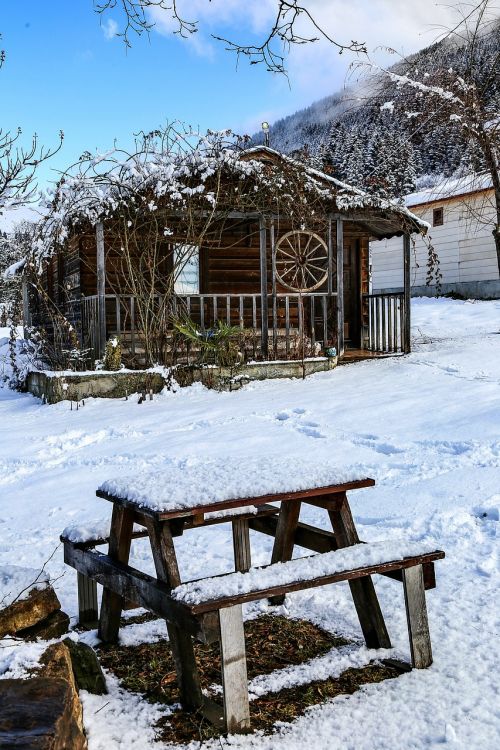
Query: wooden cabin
{"x": 280, "y": 283}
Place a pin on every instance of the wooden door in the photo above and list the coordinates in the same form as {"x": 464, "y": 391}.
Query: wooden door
{"x": 352, "y": 307}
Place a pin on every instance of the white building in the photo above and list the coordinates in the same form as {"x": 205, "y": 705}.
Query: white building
{"x": 461, "y": 214}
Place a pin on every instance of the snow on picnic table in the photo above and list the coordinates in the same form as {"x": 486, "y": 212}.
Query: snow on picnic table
{"x": 304, "y": 569}
{"x": 425, "y": 426}
{"x": 198, "y": 482}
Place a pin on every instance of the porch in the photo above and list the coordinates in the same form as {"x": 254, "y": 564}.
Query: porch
{"x": 291, "y": 324}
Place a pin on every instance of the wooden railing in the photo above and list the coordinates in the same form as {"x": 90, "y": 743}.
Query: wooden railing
{"x": 280, "y": 336}
{"x": 386, "y": 322}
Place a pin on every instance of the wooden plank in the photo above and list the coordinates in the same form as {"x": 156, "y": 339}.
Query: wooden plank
{"x": 167, "y": 571}
{"x": 340, "y": 287}
{"x": 131, "y": 583}
{"x": 120, "y": 538}
{"x": 407, "y": 293}
{"x": 241, "y": 545}
{"x": 348, "y": 575}
{"x": 263, "y": 287}
{"x": 416, "y": 615}
{"x": 273, "y": 287}
{"x": 234, "y": 670}
{"x": 320, "y": 540}
{"x": 362, "y": 590}
{"x": 88, "y": 608}
{"x": 285, "y": 497}
{"x": 185, "y": 524}
{"x": 285, "y": 537}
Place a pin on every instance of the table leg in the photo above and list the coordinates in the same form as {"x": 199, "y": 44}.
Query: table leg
{"x": 284, "y": 540}
{"x": 181, "y": 643}
{"x": 416, "y": 615}
{"x": 241, "y": 545}
{"x": 120, "y": 538}
{"x": 234, "y": 670}
{"x": 363, "y": 592}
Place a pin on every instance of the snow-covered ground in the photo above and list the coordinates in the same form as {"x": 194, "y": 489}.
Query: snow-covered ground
{"x": 426, "y": 426}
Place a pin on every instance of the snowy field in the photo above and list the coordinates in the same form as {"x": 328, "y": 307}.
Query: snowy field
{"x": 425, "y": 426}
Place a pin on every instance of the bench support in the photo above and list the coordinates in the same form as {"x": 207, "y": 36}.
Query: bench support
{"x": 181, "y": 643}
{"x": 88, "y": 608}
{"x": 416, "y": 615}
{"x": 234, "y": 670}
{"x": 285, "y": 537}
{"x": 241, "y": 545}
{"x": 120, "y": 538}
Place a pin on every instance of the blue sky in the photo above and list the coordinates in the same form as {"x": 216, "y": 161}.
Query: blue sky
{"x": 65, "y": 69}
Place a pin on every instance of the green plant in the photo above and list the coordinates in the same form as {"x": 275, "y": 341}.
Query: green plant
{"x": 218, "y": 345}
{"x": 113, "y": 355}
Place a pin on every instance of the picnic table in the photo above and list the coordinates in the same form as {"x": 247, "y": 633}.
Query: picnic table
{"x": 163, "y": 506}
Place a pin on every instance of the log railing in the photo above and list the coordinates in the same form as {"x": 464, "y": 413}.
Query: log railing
{"x": 289, "y": 316}
{"x": 386, "y": 322}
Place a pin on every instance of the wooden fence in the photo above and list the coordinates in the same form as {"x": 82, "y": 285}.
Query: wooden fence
{"x": 386, "y": 323}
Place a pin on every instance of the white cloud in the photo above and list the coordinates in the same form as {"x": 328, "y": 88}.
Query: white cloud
{"x": 317, "y": 69}
{"x": 109, "y": 28}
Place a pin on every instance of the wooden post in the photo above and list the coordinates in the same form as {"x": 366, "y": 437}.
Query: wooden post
{"x": 275, "y": 301}
{"x": 263, "y": 288}
{"x": 284, "y": 540}
{"x": 340, "y": 287}
{"x": 26, "y": 306}
{"x": 330, "y": 257}
{"x": 416, "y": 615}
{"x": 167, "y": 570}
{"x": 234, "y": 670}
{"x": 241, "y": 545}
{"x": 407, "y": 294}
{"x": 120, "y": 538}
{"x": 101, "y": 288}
{"x": 363, "y": 591}
{"x": 87, "y": 601}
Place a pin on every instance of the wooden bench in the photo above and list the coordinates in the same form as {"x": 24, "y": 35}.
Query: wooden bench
{"x": 223, "y": 596}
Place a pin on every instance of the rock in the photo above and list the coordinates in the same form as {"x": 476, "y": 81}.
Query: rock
{"x": 44, "y": 712}
{"x": 55, "y": 625}
{"x": 86, "y": 667}
{"x": 24, "y": 613}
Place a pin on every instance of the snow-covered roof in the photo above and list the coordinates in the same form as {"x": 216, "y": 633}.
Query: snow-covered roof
{"x": 452, "y": 188}
{"x": 348, "y": 197}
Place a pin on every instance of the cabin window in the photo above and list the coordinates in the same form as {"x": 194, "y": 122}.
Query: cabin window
{"x": 437, "y": 217}
{"x": 187, "y": 269}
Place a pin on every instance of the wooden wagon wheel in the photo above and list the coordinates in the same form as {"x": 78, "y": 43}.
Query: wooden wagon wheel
{"x": 301, "y": 261}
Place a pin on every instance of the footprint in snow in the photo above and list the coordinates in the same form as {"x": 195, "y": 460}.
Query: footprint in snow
{"x": 310, "y": 432}
{"x": 282, "y": 416}
{"x": 299, "y": 410}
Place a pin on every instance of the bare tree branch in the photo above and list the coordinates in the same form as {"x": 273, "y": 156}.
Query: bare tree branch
{"x": 271, "y": 52}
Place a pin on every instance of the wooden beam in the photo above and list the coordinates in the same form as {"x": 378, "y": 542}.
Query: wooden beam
{"x": 340, "y": 287}
{"x": 131, "y": 583}
{"x": 363, "y": 591}
{"x": 416, "y": 614}
{"x": 407, "y": 294}
{"x": 330, "y": 256}
{"x": 263, "y": 287}
{"x": 284, "y": 540}
{"x": 274, "y": 298}
{"x": 167, "y": 571}
{"x": 101, "y": 288}
{"x": 120, "y": 538}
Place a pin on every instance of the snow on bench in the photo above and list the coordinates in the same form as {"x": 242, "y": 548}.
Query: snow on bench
{"x": 193, "y": 483}
{"x": 305, "y": 569}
